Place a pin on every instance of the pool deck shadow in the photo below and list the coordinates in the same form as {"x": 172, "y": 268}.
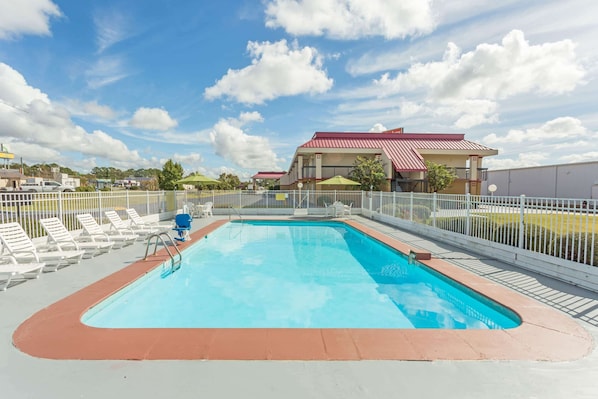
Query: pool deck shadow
{"x": 545, "y": 334}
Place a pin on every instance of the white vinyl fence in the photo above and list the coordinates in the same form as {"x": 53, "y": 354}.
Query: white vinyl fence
{"x": 554, "y": 237}
{"x": 562, "y": 229}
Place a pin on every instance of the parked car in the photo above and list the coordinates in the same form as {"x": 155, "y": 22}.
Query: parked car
{"x": 46, "y": 186}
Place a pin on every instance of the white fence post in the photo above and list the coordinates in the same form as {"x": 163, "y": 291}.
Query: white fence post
{"x": 411, "y": 206}
{"x": 60, "y": 205}
{"x": 467, "y": 214}
{"x": 434, "y": 208}
{"x": 100, "y": 204}
{"x": 147, "y": 202}
{"x": 521, "y": 220}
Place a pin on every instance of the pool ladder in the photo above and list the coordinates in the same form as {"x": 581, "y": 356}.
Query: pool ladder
{"x": 236, "y": 211}
{"x": 175, "y": 264}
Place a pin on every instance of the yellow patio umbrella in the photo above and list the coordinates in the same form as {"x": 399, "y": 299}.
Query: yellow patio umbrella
{"x": 339, "y": 180}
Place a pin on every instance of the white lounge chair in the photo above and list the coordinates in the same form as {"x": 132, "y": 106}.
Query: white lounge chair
{"x": 17, "y": 244}
{"x": 92, "y": 229}
{"x": 119, "y": 226}
{"x": 138, "y": 223}
{"x": 10, "y": 269}
{"x": 59, "y": 236}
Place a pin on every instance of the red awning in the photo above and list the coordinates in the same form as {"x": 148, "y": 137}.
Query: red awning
{"x": 269, "y": 175}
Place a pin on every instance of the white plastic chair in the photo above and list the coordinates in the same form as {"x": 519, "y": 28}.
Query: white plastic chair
{"x": 206, "y": 210}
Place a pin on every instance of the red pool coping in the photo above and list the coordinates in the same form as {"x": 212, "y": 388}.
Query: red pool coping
{"x": 56, "y": 332}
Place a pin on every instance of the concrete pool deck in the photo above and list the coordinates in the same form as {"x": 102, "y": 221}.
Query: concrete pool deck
{"x": 22, "y": 375}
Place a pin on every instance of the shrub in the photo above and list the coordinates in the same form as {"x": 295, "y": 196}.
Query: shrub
{"x": 421, "y": 213}
{"x": 388, "y": 209}
{"x": 534, "y": 235}
{"x": 454, "y": 224}
{"x": 575, "y": 248}
{"x": 480, "y": 227}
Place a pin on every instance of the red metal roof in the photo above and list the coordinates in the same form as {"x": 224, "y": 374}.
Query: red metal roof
{"x": 401, "y": 148}
{"x": 268, "y": 175}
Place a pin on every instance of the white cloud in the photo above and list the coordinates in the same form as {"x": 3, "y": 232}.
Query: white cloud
{"x": 557, "y": 141}
{"x": 111, "y": 28}
{"x": 521, "y": 161}
{"x": 276, "y": 70}
{"x": 152, "y": 119}
{"x": 191, "y": 162}
{"x": 468, "y": 113}
{"x": 565, "y": 128}
{"x": 351, "y": 19}
{"x": 467, "y": 89}
{"x": 26, "y": 17}
{"x": 106, "y": 71}
{"x": 579, "y": 157}
{"x": 377, "y": 128}
{"x": 90, "y": 108}
{"x": 247, "y": 117}
{"x": 31, "y": 122}
{"x": 244, "y": 150}
{"x": 15, "y": 91}
{"x": 494, "y": 71}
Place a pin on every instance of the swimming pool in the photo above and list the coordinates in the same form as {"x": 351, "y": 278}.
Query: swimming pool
{"x": 297, "y": 274}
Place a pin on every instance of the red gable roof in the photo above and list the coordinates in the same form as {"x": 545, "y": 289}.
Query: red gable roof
{"x": 268, "y": 175}
{"x": 401, "y": 148}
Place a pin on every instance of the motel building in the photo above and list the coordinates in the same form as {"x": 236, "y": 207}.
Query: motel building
{"x": 403, "y": 155}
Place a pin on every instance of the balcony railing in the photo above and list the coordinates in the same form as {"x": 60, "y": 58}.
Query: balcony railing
{"x": 309, "y": 172}
{"x": 465, "y": 173}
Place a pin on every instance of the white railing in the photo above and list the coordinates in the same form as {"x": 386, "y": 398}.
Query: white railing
{"x": 563, "y": 228}
{"x": 276, "y": 202}
{"x": 28, "y": 208}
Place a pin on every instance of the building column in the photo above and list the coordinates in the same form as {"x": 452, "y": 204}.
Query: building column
{"x": 299, "y": 167}
{"x": 318, "y": 167}
{"x": 474, "y": 178}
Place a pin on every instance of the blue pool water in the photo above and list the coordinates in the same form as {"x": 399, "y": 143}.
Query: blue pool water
{"x": 291, "y": 274}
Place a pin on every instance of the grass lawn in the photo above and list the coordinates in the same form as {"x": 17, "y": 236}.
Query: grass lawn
{"x": 561, "y": 222}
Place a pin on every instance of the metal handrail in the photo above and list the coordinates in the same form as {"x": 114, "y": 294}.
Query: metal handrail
{"x": 236, "y": 211}
{"x": 173, "y": 261}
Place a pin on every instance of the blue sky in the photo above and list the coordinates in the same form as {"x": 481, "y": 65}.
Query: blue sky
{"x": 234, "y": 86}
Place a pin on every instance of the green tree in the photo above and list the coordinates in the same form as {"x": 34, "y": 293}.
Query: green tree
{"x": 108, "y": 173}
{"x": 229, "y": 181}
{"x": 439, "y": 176}
{"x": 171, "y": 172}
{"x": 369, "y": 172}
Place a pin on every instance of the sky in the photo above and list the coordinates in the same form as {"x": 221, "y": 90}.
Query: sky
{"x": 235, "y": 86}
